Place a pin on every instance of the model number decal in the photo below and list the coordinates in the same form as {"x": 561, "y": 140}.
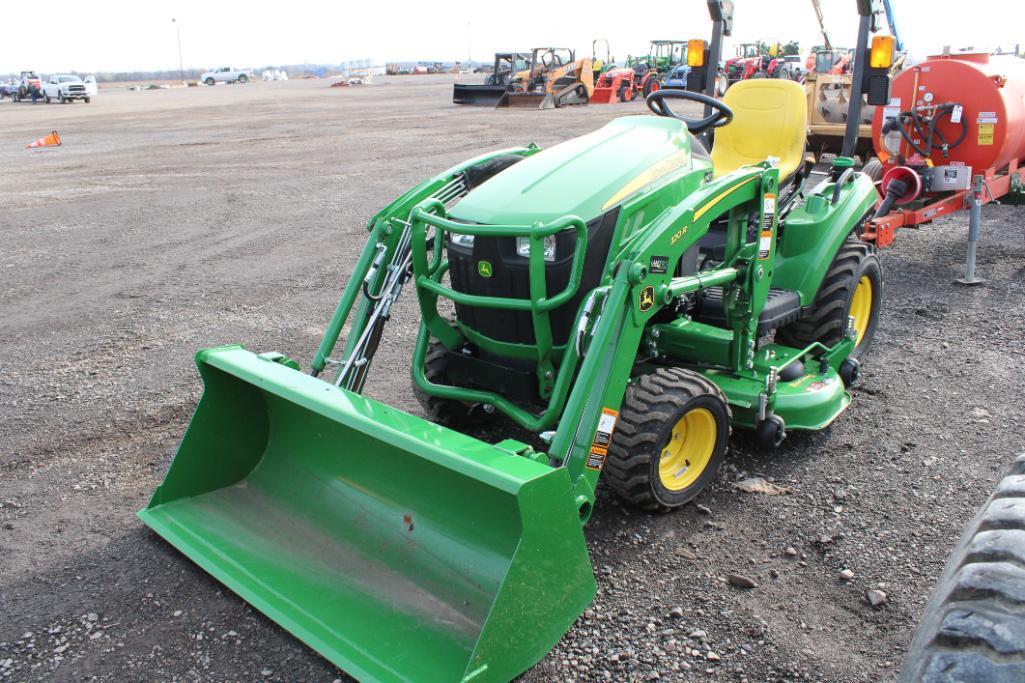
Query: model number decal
{"x": 679, "y": 235}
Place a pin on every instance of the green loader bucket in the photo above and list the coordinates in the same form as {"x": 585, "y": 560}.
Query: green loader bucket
{"x": 398, "y": 549}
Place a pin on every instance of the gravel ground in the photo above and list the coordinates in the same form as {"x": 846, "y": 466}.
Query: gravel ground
{"x": 174, "y": 220}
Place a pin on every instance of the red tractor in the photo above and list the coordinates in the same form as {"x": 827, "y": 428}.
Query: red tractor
{"x": 765, "y": 60}
{"x": 639, "y": 77}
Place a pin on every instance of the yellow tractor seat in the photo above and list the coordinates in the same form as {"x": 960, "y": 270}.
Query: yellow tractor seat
{"x": 769, "y": 120}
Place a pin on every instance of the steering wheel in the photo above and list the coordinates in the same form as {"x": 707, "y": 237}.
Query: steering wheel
{"x": 720, "y": 116}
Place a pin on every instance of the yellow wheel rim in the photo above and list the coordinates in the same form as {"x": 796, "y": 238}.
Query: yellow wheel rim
{"x": 861, "y": 307}
{"x": 689, "y": 449}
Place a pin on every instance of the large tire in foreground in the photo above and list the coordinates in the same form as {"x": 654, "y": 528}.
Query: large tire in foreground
{"x": 447, "y": 412}
{"x": 671, "y": 437}
{"x": 973, "y": 628}
{"x": 852, "y": 287}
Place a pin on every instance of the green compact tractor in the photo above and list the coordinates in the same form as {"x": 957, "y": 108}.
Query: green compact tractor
{"x": 628, "y": 296}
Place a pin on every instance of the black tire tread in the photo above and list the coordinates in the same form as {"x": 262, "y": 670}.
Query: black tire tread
{"x": 647, "y": 405}
{"x": 973, "y": 628}
{"x": 441, "y": 410}
{"x": 826, "y": 320}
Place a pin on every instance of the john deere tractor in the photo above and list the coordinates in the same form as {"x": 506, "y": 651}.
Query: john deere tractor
{"x": 629, "y": 297}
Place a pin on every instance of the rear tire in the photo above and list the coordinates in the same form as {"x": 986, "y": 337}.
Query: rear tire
{"x": 447, "y": 412}
{"x": 243, "y": 78}
{"x": 671, "y": 437}
{"x": 853, "y": 286}
{"x": 973, "y": 628}
{"x": 782, "y": 73}
{"x": 46, "y": 98}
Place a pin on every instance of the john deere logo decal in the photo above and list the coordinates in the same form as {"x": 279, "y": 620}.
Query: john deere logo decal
{"x": 647, "y": 298}
{"x": 484, "y": 268}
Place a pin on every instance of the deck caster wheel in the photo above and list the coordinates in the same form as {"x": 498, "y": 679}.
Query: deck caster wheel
{"x": 850, "y": 372}
{"x": 770, "y": 432}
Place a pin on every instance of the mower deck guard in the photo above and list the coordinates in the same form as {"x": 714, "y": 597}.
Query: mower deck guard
{"x": 398, "y": 549}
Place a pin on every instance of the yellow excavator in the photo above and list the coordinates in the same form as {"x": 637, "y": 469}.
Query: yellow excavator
{"x": 555, "y": 78}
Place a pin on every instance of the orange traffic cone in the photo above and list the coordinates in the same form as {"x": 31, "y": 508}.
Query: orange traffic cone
{"x": 51, "y": 140}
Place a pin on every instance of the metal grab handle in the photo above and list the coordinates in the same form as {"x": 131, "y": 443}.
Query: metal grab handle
{"x": 845, "y": 177}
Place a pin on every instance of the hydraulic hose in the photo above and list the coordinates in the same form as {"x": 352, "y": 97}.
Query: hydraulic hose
{"x": 925, "y": 126}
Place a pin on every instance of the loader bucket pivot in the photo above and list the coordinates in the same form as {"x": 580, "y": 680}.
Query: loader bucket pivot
{"x": 398, "y": 549}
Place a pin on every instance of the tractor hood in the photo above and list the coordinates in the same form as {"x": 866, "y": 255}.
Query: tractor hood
{"x": 585, "y": 176}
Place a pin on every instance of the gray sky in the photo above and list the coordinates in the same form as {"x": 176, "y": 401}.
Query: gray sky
{"x": 121, "y": 36}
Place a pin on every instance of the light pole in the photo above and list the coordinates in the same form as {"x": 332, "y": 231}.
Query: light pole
{"x": 181, "y": 65}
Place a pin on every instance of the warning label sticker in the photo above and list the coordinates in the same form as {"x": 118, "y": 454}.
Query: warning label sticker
{"x": 602, "y": 438}
{"x": 985, "y": 134}
{"x": 768, "y": 216}
{"x": 765, "y": 244}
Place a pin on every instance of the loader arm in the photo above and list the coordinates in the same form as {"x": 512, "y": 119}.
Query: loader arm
{"x": 387, "y": 247}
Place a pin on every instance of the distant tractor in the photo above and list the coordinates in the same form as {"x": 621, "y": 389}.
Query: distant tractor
{"x": 616, "y": 84}
{"x": 765, "y": 60}
{"x": 651, "y": 69}
{"x": 507, "y": 65}
{"x": 29, "y": 85}
{"x": 554, "y": 78}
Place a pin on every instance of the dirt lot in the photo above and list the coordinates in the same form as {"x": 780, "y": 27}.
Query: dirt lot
{"x": 174, "y": 220}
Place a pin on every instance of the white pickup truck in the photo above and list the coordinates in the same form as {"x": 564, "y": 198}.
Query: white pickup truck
{"x": 66, "y": 88}
{"x": 226, "y": 74}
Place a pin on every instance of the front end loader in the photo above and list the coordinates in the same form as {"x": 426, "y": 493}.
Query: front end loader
{"x": 628, "y": 323}
{"x": 555, "y": 78}
{"x": 496, "y": 84}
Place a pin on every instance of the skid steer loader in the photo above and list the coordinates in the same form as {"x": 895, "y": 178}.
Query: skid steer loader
{"x": 629, "y": 322}
{"x": 555, "y": 78}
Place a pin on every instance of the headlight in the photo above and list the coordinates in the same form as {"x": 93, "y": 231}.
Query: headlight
{"x": 462, "y": 240}
{"x": 523, "y": 247}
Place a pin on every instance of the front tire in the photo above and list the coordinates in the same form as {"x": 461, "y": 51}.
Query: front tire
{"x": 671, "y": 438}
{"x": 852, "y": 287}
{"x": 60, "y": 97}
{"x": 209, "y": 81}
{"x": 444, "y": 411}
